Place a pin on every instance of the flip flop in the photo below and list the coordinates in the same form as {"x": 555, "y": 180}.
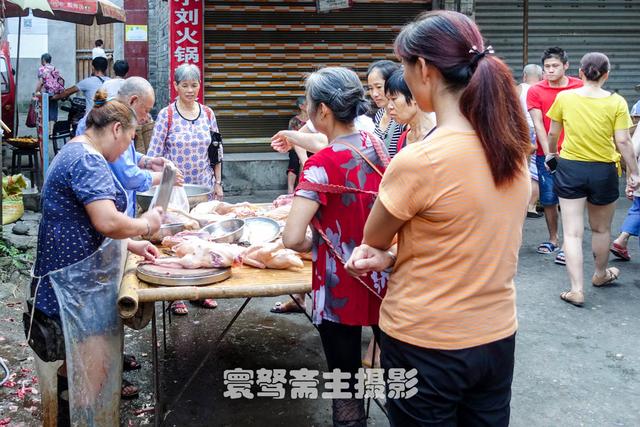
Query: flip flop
{"x": 619, "y": 252}
{"x": 129, "y": 396}
{"x": 130, "y": 363}
{"x": 534, "y": 214}
{"x": 546, "y": 248}
{"x": 560, "y": 258}
{"x": 206, "y": 303}
{"x": 179, "y": 305}
{"x": 571, "y": 298}
{"x": 286, "y": 308}
{"x": 610, "y": 276}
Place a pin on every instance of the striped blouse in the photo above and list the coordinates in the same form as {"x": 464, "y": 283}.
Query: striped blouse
{"x": 392, "y": 146}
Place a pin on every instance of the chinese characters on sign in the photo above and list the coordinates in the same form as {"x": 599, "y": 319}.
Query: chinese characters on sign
{"x": 329, "y": 5}
{"x": 186, "y": 38}
{"x": 303, "y": 384}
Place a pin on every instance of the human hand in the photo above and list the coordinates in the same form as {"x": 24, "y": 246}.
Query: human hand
{"x": 633, "y": 181}
{"x": 218, "y": 191}
{"x": 144, "y": 249}
{"x": 153, "y": 218}
{"x": 155, "y": 164}
{"x": 365, "y": 259}
{"x": 281, "y": 142}
{"x": 179, "y": 180}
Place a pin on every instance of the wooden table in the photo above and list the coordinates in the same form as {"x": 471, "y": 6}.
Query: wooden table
{"x": 245, "y": 282}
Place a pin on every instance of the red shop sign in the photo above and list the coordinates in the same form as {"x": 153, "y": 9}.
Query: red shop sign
{"x": 186, "y": 31}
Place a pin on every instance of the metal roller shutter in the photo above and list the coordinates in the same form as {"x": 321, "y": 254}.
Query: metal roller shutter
{"x": 257, "y": 54}
{"x": 607, "y": 26}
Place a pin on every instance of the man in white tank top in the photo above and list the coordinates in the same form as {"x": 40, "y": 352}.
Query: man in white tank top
{"x": 531, "y": 74}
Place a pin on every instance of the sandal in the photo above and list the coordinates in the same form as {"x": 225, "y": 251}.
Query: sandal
{"x": 611, "y": 274}
{"x": 560, "y": 258}
{"x": 575, "y": 298}
{"x": 179, "y": 308}
{"x": 133, "y": 392}
{"x": 620, "y": 252}
{"x": 205, "y": 303}
{"x": 546, "y": 248}
{"x": 130, "y": 363}
{"x": 534, "y": 214}
{"x": 286, "y": 308}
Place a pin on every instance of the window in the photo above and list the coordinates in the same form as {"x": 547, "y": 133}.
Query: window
{"x": 4, "y": 75}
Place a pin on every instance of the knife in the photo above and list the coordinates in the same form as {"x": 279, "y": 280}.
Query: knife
{"x": 163, "y": 192}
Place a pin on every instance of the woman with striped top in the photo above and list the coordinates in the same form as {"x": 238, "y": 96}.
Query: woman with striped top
{"x": 387, "y": 129}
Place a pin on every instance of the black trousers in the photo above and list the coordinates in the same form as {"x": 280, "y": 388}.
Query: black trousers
{"x": 341, "y": 344}
{"x": 468, "y": 387}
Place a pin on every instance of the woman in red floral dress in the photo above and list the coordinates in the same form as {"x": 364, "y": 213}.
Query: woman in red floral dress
{"x": 338, "y": 186}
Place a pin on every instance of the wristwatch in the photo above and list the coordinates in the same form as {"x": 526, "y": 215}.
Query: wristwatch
{"x": 219, "y": 183}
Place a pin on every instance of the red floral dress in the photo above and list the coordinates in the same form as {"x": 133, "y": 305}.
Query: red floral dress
{"x": 337, "y": 296}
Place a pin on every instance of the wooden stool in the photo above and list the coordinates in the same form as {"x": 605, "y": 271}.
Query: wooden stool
{"x": 34, "y": 163}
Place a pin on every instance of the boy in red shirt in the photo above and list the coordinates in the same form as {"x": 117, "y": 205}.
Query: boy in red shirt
{"x": 539, "y": 99}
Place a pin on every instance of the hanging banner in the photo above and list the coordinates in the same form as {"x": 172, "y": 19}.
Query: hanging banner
{"x": 186, "y": 38}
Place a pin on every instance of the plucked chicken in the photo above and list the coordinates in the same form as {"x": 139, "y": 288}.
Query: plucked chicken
{"x": 271, "y": 255}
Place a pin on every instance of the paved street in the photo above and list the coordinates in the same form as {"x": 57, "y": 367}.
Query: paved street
{"x": 574, "y": 367}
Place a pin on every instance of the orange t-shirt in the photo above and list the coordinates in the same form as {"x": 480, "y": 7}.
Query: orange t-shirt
{"x": 452, "y": 285}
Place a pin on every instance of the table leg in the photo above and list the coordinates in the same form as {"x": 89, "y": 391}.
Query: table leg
{"x": 303, "y": 310}
{"x": 158, "y": 412}
{"x": 164, "y": 328}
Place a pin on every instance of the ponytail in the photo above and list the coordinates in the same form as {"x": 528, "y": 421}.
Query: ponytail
{"x": 490, "y": 103}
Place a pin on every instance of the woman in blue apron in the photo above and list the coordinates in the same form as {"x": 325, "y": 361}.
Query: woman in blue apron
{"x": 82, "y": 242}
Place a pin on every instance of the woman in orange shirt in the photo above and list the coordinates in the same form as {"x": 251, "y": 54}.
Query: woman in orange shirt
{"x": 457, "y": 202}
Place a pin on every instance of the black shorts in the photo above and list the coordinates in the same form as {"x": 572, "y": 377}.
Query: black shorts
{"x": 597, "y": 181}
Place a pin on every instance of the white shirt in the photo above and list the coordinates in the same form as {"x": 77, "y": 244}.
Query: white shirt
{"x": 98, "y": 52}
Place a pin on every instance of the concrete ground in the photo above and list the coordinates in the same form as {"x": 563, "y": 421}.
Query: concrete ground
{"x": 574, "y": 366}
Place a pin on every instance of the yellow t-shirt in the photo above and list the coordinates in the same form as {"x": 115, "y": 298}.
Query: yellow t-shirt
{"x": 589, "y": 125}
{"x": 452, "y": 285}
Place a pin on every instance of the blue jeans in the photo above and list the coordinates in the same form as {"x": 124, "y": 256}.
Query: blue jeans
{"x": 631, "y": 223}
{"x": 548, "y": 196}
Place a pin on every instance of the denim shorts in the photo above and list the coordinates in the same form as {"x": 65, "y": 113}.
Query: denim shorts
{"x": 548, "y": 196}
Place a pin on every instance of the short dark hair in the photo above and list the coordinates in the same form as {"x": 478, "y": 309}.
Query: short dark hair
{"x": 385, "y": 67}
{"x": 100, "y": 63}
{"x": 396, "y": 84}
{"x": 99, "y": 42}
{"x": 46, "y": 58}
{"x": 120, "y": 68}
{"x": 557, "y": 53}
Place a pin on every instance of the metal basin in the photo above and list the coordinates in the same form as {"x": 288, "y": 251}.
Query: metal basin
{"x": 164, "y": 231}
{"x": 226, "y": 231}
{"x": 260, "y": 230}
{"x": 196, "y": 194}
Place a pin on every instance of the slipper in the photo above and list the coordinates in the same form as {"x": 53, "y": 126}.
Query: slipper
{"x": 179, "y": 308}
{"x": 546, "y": 248}
{"x": 130, "y": 363}
{"x": 534, "y": 214}
{"x": 205, "y": 303}
{"x": 129, "y": 395}
{"x": 560, "y": 258}
{"x": 620, "y": 252}
{"x": 575, "y": 298}
{"x": 610, "y": 276}
{"x": 286, "y": 308}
